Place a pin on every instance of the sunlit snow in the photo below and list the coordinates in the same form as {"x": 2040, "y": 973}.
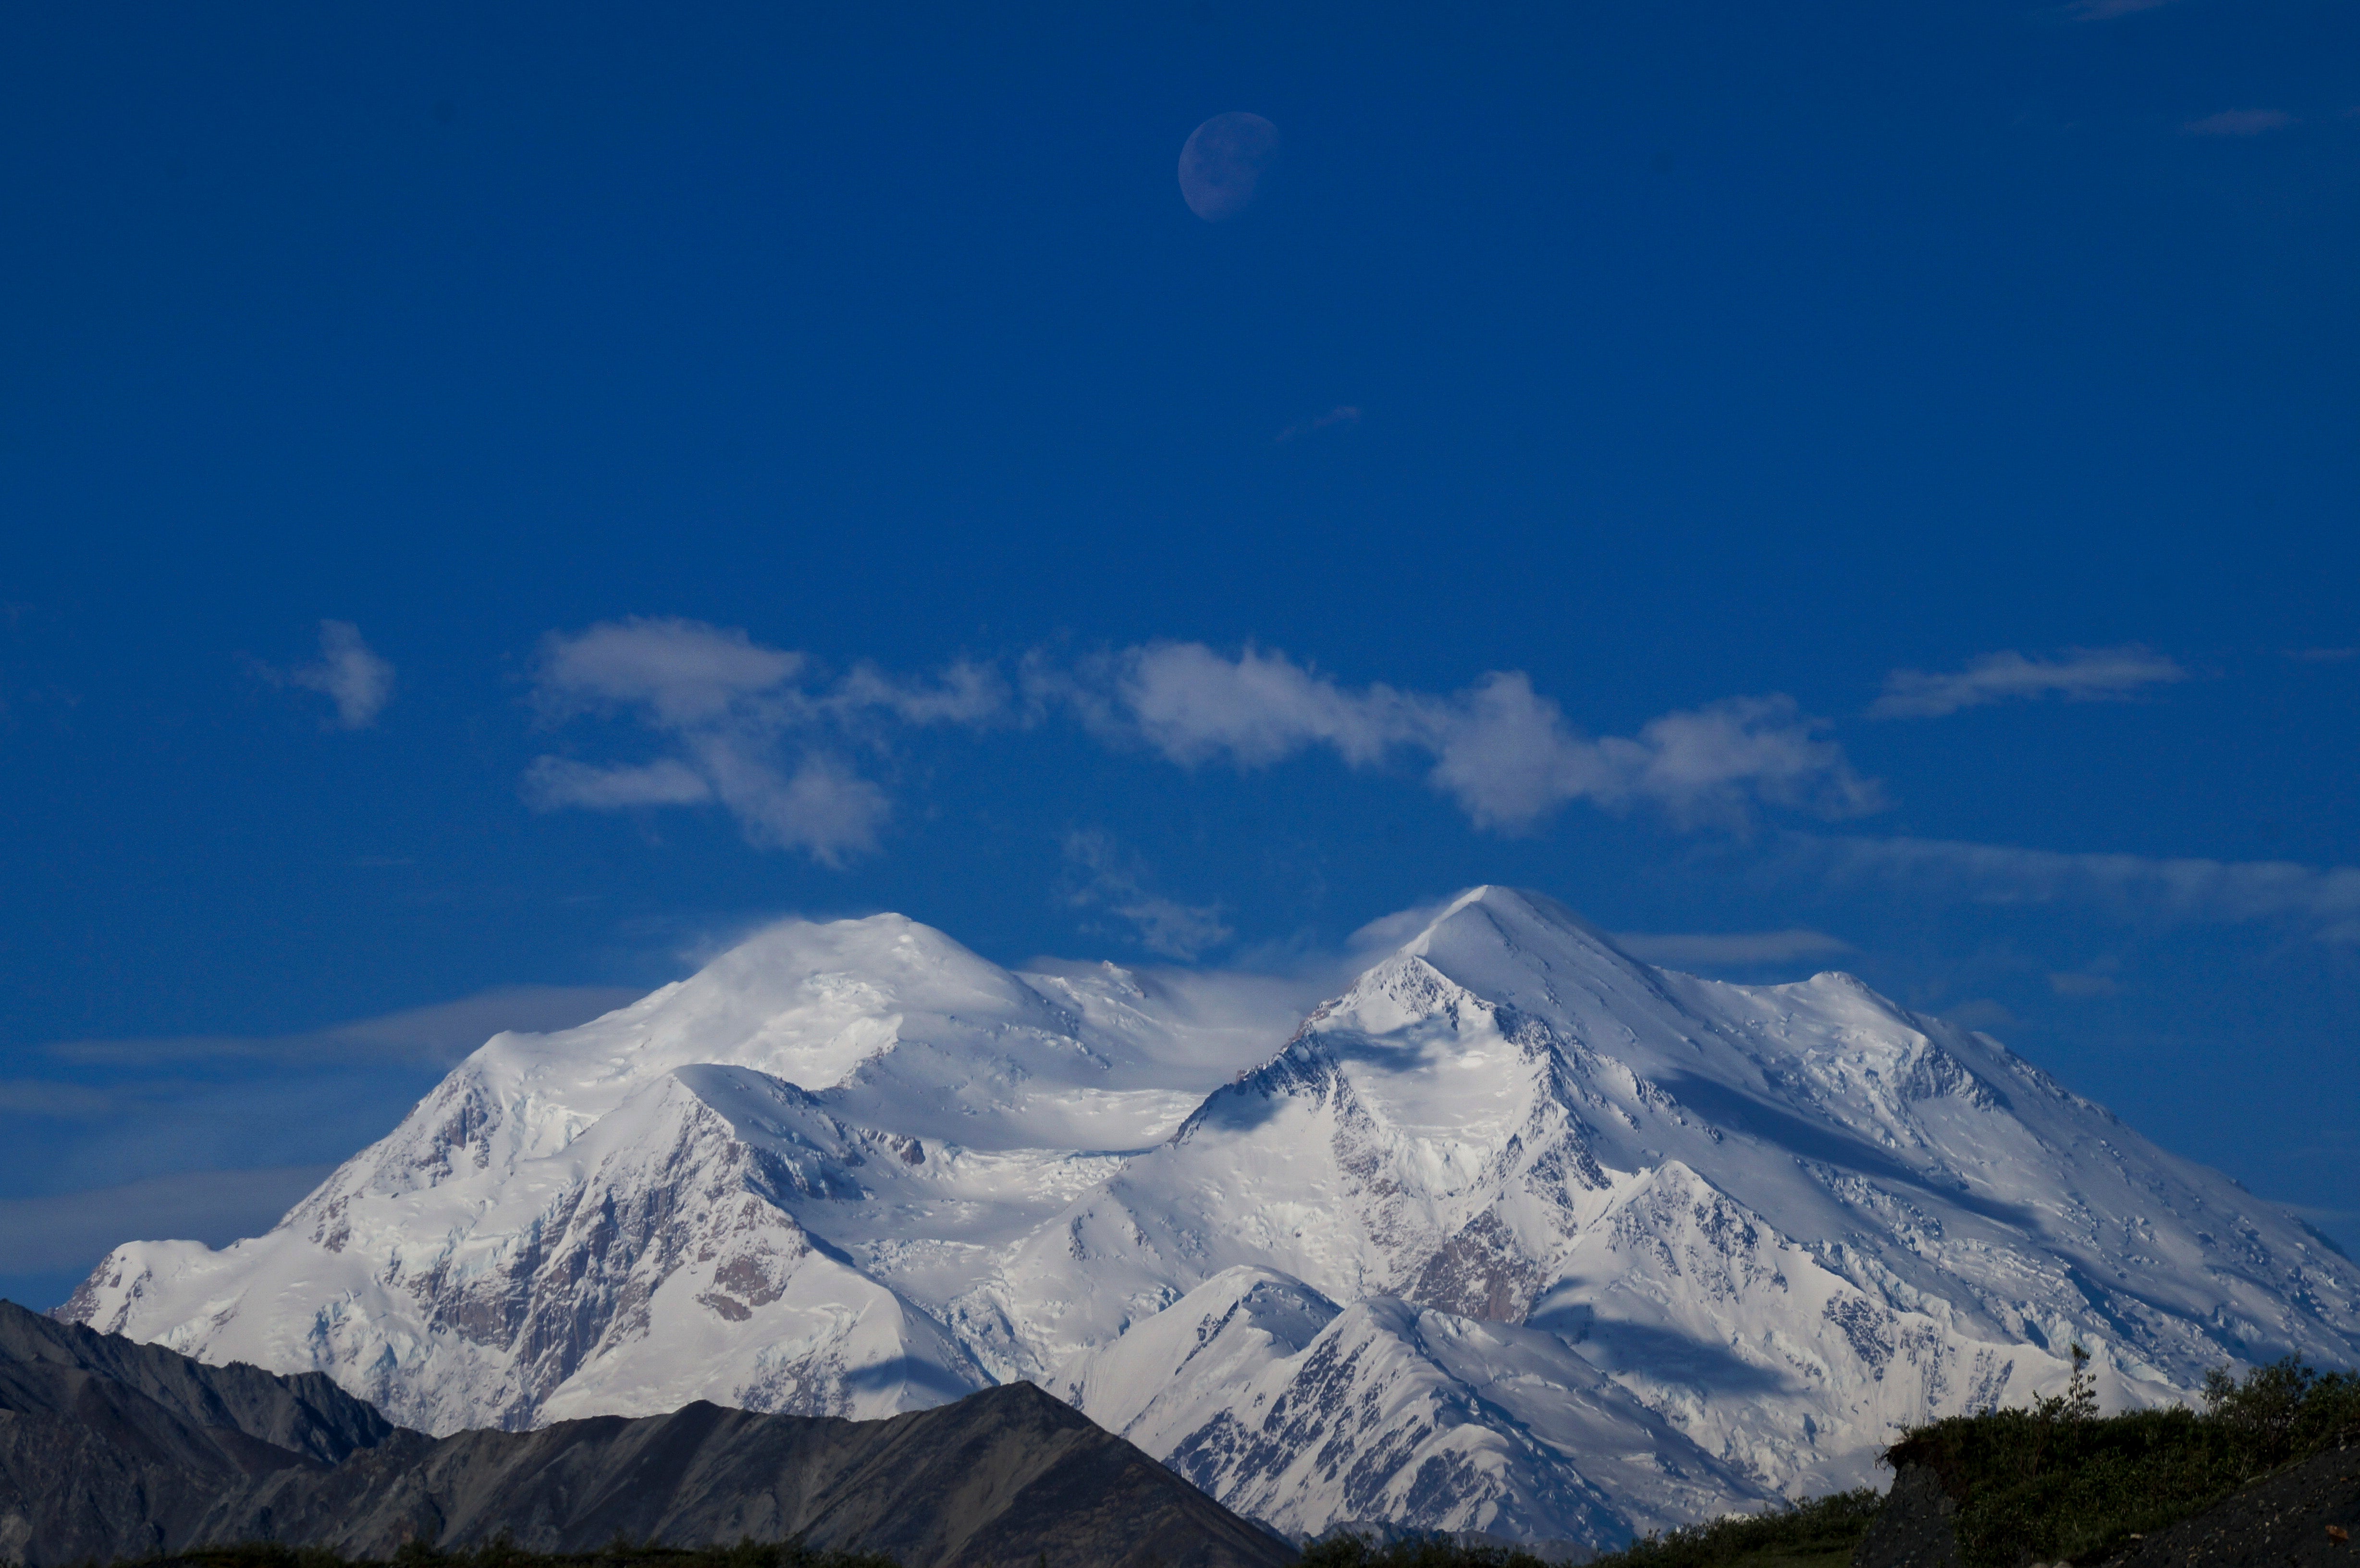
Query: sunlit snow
{"x": 1517, "y": 1234}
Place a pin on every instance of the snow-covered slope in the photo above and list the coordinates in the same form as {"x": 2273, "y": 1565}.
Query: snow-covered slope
{"x": 650, "y": 1208}
{"x": 1289, "y": 1408}
{"x": 1517, "y": 1234}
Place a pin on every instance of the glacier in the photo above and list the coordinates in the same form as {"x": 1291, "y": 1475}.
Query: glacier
{"x": 1515, "y": 1233}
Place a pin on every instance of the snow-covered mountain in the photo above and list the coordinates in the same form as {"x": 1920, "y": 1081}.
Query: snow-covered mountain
{"x": 1518, "y": 1234}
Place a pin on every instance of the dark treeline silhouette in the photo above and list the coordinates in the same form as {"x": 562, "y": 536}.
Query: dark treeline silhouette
{"x": 2054, "y": 1483}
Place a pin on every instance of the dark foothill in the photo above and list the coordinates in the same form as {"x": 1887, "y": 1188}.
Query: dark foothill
{"x": 110, "y": 1449}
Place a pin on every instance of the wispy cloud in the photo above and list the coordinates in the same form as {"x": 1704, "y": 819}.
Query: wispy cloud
{"x": 1343, "y": 414}
{"x": 2107, "y": 10}
{"x": 54, "y": 1101}
{"x": 554, "y": 781}
{"x": 745, "y": 727}
{"x": 1729, "y": 950}
{"x": 2325, "y": 899}
{"x": 2078, "y": 675}
{"x": 75, "y": 1230}
{"x": 2238, "y": 122}
{"x": 1114, "y": 881}
{"x": 2323, "y": 655}
{"x": 349, "y": 673}
{"x": 1981, "y": 1013}
{"x": 1503, "y": 751}
{"x": 438, "y": 1035}
{"x": 757, "y": 732}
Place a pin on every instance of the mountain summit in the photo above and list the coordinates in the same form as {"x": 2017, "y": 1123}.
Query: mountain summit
{"x": 1518, "y": 1234}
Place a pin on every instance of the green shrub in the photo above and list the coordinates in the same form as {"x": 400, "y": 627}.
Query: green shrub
{"x": 1349, "y": 1551}
{"x": 1821, "y": 1534}
{"x": 1823, "y": 1531}
{"x": 2059, "y": 1482}
{"x": 502, "y": 1552}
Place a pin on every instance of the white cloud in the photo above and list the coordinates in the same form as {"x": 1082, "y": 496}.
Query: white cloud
{"x": 745, "y": 726}
{"x": 1503, "y": 752}
{"x": 1386, "y": 933}
{"x": 2326, "y": 899}
{"x": 74, "y": 1230}
{"x": 1112, "y": 880}
{"x": 1194, "y": 705}
{"x": 1722, "y": 949}
{"x": 750, "y": 728}
{"x": 1707, "y": 762}
{"x": 1172, "y": 928}
{"x": 349, "y": 673}
{"x": 2079, "y": 675}
{"x": 823, "y": 805}
{"x": 684, "y": 673}
{"x": 554, "y": 781}
{"x": 967, "y": 693}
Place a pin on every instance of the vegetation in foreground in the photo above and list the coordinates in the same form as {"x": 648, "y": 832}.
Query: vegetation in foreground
{"x": 2056, "y": 1483}
{"x": 2059, "y": 1482}
{"x": 1349, "y": 1550}
{"x": 1818, "y": 1534}
{"x": 1821, "y": 1534}
{"x": 502, "y": 1552}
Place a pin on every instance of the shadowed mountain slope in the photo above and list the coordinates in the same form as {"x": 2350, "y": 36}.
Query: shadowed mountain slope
{"x": 1516, "y": 1233}
{"x": 110, "y": 1449}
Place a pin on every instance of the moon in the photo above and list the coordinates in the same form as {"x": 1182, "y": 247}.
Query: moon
{"x": 1224, "y": 160}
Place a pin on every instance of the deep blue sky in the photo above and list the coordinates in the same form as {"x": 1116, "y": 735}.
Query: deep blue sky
{"x": 1666, "y": 355}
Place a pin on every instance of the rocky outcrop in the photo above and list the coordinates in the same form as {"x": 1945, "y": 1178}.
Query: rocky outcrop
{"x": 854, "y": 1170}
{"x": 1913, "y": 1529}
{"x": 110, "y": 1449}
{"x": 51, "y": 1368}
{"x": 2306, "y": 1514}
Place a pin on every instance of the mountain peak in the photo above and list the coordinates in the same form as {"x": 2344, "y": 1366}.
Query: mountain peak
{"x": 1525, "y": 950}
{"x": 1492, "y": 918}
{"x": 854, "y": 1166}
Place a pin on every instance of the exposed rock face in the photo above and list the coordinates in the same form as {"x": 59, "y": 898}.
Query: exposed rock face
{"x": 1913, "y": 1529}
{"x": 110, "y": 1449}
{"x": 48, "y": 1367}
{"x": 2307, "y": 1514}
{"x": 1267, "y": 1395}
{"x": 1509, "y": 1210}
{"x": 999, "y": 1476}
